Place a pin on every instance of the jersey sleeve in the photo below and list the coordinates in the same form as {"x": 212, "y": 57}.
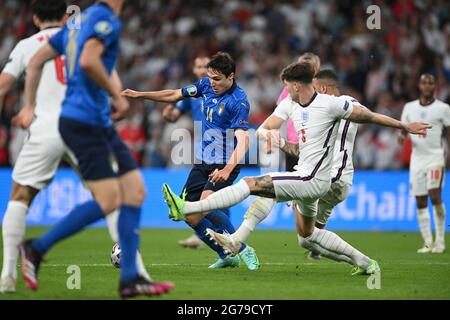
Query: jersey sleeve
{"x": 184, "y": 105}
{"x": 447, "y": 116}
{"x": 57, "y": 41}
{"x": 15, "y": 65}
{"x": 239, "y": 116}
{"x": 340, "y": 107}
{"x": 103, "y": 29}
{"x": 284, "y": 109}
{"x": 195, "y": 89}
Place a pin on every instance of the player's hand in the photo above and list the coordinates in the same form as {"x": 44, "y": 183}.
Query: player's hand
{"x": 276, "y": 140}
{"x": 401, "y": 138}
{"x": 131, "y": 93}
{"x": 219, "y": 176}
{"x": 417, "y": 127}
{"x": 167, "y": 113}
{"x": 121, "y": 106}
{"x": 24, "y": 118}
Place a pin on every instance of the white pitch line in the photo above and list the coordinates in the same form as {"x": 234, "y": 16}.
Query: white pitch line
{"x": 202, "y": 264}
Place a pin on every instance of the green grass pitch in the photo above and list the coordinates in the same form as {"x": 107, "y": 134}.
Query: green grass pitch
{"x": 285, "y": 272}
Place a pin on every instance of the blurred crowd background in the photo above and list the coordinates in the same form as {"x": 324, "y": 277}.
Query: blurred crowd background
{"x": 161, "y": 38}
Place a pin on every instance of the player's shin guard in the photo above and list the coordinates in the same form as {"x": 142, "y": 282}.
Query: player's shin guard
{"x": 333, "y": 243}
{"x": 439, "y": 221}
{"x": 224, "y": 198}
{"x": 424, "y": 225}
{"x": 13, "y": 228}
{"x": 81, "y": 216}
{"x": 112, "y": 223}
{"x": 129, "y": 221}
{"x": 258, "y": 211}
{"x": 200, "y": 231}
{"x": 326, "y": 253}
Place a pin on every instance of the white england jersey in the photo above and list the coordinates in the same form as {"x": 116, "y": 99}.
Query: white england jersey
{"x": 343, "y": 150}
{"x": 52, "y": 86}
{"x": 428, "y": 149}
{"x": 317, "y": 125}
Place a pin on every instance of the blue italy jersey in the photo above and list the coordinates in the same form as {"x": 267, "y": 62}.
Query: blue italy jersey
{"x": 85, "y": 101}
{"x": 221, "y": 115}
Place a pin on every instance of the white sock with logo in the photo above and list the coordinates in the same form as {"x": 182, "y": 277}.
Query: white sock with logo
{"x": 439, "y": 222}
{"x": 258, "y": 211}
{"x": 326, "y": 253}
{"x": 333, "y": 243}
{"x": 13, "y": 227}
{"x": 224, "y": 198}
{"x": 423, "y": 216}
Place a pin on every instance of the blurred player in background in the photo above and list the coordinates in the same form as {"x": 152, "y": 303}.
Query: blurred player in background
{"x": 43, "y": 149}
{"x": 225, "y": 110}
{"x": 315, "y": 117}
{"x": 85, "y": 125}
{"x": 427, "y": 166}
{"x": 172, "y": 113}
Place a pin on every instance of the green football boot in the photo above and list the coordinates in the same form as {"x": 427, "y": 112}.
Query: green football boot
{"x": 248, "y": 255}
{"x": 174, "y": 202}
{"x": 230, "y": 262}
{"x": 372, "y": 269}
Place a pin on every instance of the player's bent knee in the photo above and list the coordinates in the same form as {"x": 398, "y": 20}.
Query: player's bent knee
{"x": 194, "y": 219}
{"x": 23, "y": 194}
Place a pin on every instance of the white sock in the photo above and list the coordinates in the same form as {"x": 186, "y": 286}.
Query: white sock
{"x": 14, "y": 224}
{"x": 439, "y": 222}
{"x": 424, "y": 225}
{"x": 224, "y": 198}
{"x": 333, "y": 243}
{"x": 258, "y": 211}
{"x": 112, "y": 223}
{"x": 326, "y": 253}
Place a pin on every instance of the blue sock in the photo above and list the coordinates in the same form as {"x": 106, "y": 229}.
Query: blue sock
{"x": 129, "y": 221}
{"x": 221, "y": 222}
{"x": 80, "y": 217}
{"x": 200, "y": 231}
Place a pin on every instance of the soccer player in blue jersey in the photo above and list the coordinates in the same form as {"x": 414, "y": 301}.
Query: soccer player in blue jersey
{"x": 172, "y": 113}
{"x": 225, "y": 109}
{"x": 85, "y": 125}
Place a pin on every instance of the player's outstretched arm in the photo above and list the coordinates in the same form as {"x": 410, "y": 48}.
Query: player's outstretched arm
{"x": 34, "y": 71}
{"x": 361, "y": 114}
{"x": 271, "y": 123}
{"x": 169, "y": 96}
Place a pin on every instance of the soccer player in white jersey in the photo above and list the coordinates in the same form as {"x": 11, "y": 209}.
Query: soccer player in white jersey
{"x": 43, "y": 149}
{"x": 427, "y": 167}
{"x": 316, "y": 118}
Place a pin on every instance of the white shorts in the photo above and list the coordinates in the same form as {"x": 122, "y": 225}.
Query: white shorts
{"x": 338, "y": 192}
{"x": 303, "y": 193}
{"x": 40, "y": 157}
{"x": 422, "y": 180}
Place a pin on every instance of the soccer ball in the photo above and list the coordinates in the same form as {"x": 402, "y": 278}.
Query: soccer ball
{"x": 115, "y": 255}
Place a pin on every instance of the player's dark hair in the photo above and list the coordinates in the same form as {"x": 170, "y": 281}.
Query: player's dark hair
{"x": 298, "y": 72}
{"x": 329, "y": 76}
{"x": 223, "y": 63}
{"x": 49, "y": 10}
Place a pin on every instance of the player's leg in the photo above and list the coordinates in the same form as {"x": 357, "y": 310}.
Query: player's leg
{"x": 435, "y": 181}
{"x": 225, "y": 198}
{"x": 34, "y": 169}
{"x": 133, "y": 193}
{"x": 333, "y": 245}
{"x": 13, "y": 231}
{"x": 305, "y": 225}
{"x": 418, "y": 182}
{"x": 257, "y": 212}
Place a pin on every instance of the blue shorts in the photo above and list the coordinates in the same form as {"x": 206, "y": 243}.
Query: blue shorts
{"x": 198, "y": 180}
{"x": 100, "y": 152}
